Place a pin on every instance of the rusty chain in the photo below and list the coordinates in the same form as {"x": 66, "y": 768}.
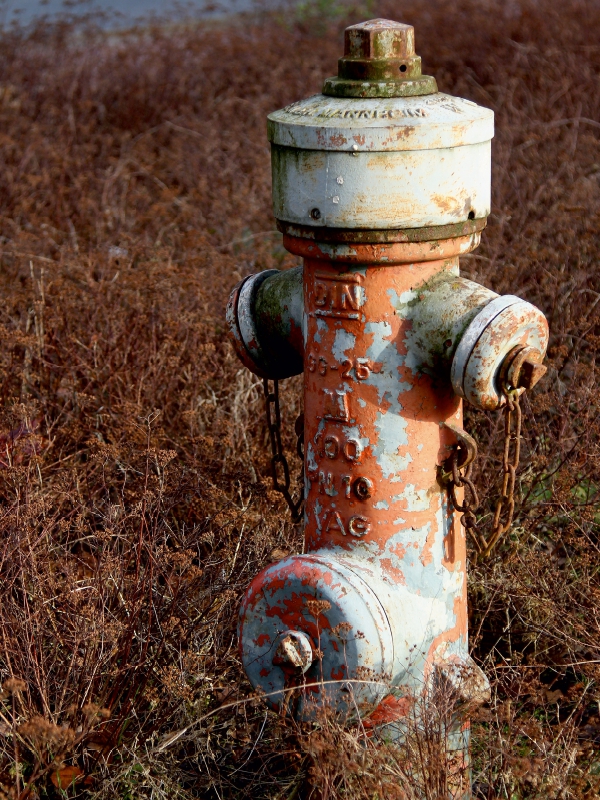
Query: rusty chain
{"x": 278, "y": 459}
{"x": 505, "y": 505}
{"x": 459, "y": 476}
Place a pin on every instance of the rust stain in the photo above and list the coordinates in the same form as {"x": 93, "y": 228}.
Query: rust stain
{"x": 391, "y": 709}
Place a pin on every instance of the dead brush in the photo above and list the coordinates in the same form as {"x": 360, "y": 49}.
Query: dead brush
{"x": 135, "y": 503}
{"x": 422, "y": 753}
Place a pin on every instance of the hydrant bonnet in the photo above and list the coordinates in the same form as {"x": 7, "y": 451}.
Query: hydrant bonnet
{"x": 381, "y": 161}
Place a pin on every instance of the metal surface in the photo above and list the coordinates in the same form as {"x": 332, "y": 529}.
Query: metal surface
{"x": 380, "y": 162}
{"x": 374, "y": 437}
{"x": 437, "y": 122}
{"x": 334, "y": 603}
{"x": 384, "y": 236}
{"x": 264, "y": 314}
{"x": 462, "y": 681}
{"x": 444, "y": 311}
{"x": 504, "y": 324}
{"x": 466, "y": 451}
{"x": 484, "y": 542}
{"x": 280, "y": 470}
{"x": 239, "y": 314}
{"x": 401, "y": 189}
{"x": 294, "y": 651}
{"x": 379, "y": 61}
{"x": 381, "y": 338}
{"x": 522, "y": 368}
{"x": 383, "y": 253}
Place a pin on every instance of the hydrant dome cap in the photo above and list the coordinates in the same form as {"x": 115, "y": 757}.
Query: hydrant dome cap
{"x": 378, "y": 124}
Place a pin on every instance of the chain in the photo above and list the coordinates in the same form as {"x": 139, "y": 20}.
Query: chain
{"x": 505, "y": 506}
{"x": 278, "y": 460}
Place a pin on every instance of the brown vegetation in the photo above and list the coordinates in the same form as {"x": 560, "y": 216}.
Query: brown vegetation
{"x": 135, "y": 500}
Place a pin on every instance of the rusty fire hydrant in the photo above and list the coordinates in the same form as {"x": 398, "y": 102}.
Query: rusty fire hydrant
{"x": 379, "y": 184}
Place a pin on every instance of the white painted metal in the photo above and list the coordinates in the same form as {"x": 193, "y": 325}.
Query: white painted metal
{"x": 430, "y": 122}
{"x": 381, "y": 190}
{"x": 353, "y": 596}
{"x": 503, "y": 324}
{"x": 520, "y": 324}
{"x": 472, "y": 334}
{"x": 384, "y": 163}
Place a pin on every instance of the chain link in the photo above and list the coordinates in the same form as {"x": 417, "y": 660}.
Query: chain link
{"x": 505, "y": 506}
{"x": 279, "y": 462}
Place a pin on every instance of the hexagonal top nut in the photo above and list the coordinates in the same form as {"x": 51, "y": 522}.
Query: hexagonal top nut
{"x": 379, "y": 61}
{"x": 379, "y": 38}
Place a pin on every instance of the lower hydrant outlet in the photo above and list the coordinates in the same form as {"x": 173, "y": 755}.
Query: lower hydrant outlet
{"x": 325, "y": 600}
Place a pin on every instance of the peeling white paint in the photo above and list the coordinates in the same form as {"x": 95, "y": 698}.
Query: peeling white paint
{"x": 416, "y": 499}
{"x": 344, "y": 341}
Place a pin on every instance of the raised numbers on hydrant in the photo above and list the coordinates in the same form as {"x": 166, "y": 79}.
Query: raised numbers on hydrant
{"x": 379, "y": 184}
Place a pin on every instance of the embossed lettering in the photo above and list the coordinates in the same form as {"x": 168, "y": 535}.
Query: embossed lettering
{"x": 336, "y": 405}
{"x": 350, "y": 296}
{"x": 326, "y": 485}
{"x": 317, "y": 110}
{"x": 321, "y": 293}
{"x": 331, "y": 446}
{"x": 363, "y": 488}
{"x": 334, "y": 522}
{"x": 338, "y": 296}
{"x": 358, "y": 525}
{"x": 362, "y": 368}
{"x": 352, "y": 449}
{"x": 346, "y": 481}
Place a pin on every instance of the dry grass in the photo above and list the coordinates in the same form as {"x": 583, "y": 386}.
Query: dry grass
{"x": 134, "y": 192}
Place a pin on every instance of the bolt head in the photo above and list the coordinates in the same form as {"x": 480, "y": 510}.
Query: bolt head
{"x": 379, "y": 38}
{"x": 294, "y": 651}
{"x": 523, "y": 368}
{"x": 531, "y": 373}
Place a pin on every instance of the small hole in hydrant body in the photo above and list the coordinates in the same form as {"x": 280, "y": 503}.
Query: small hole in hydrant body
{"x": 402, "y": 67}
{"x": 315, "y": 213}
{"x": 471, "y": 215}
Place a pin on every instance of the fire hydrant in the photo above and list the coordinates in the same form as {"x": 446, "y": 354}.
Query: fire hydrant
{"x": 379, "y": 184}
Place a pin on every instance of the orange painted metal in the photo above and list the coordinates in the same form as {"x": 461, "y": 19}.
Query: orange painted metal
{"x": 345, "y": 408}
{"x": 389, "y": 253}
{"x": 374, "y": 426}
